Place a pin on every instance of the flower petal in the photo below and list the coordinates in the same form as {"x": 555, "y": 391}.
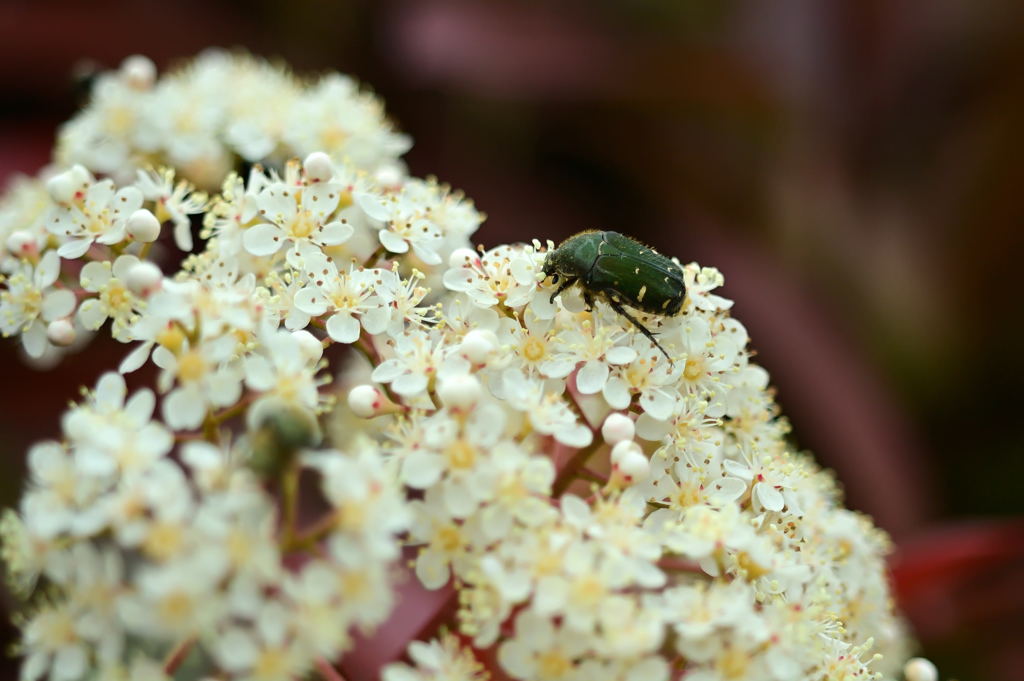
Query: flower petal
{"x": 393, "y": 242}
{"x": 591, "y": 377}
{"x": 57, "y": 304}
{"x": 263, "y": 239}
{"x": 74, "y": 249}
{"x": 343, "y": 328}
{"x": 334, "y": 233}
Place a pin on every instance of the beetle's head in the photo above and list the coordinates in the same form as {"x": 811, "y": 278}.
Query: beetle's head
{"x": 560, "y": 264}
{"x": 549, "y": 269}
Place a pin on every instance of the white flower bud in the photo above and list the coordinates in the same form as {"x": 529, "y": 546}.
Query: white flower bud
{"x": 478, "y": 345}
{"x": 62, "y": 187}
{"x": 144, "y": 279}
{"x": 618, "y": 427}
{"x": 464, "y": 257}
{"x": 311, "y": 347}
{"x": 920, "y": 669}
{"x": 138, "y": 72}
{"x": 318, "y": 167}
{"x": 143, "y": 226}
{"x": 367, "y": 401}
{"x": 461, "y": 391}
{"x": 61, "y": 332}
{"x": 22, "y": 243}
{"x": 390, "y": 176}
{"x": 629, "y": 464}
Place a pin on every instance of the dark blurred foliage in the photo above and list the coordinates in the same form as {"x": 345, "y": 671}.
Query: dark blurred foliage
{"x": 852, "y": 166}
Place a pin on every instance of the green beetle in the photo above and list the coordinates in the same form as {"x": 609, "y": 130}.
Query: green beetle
{"x": 621, "y": 271}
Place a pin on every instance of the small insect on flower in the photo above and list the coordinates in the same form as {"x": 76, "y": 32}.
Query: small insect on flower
{"x": 621, "y": 271}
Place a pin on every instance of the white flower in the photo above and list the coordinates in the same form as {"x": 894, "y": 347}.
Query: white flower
{"x": 115, "y": 300}
{"x": 298, "y": 216}
{"x": 54, "y": 645}
{"x": 29, "y": 301}
{"x": 111, "y": 434}
{"x": 654, "y": 380}
{"x": 62, "y": 498}
{"x": 506, "y": 274}
{"x": 600, "y": 346}
{"x": 456, "y": 457}
{"x": 333, "y": 116}
{"x": 418, "y": 357}
{"x": 699, "y": 282}
{"x": 447, "y": 542}
{"x": 540, "y": 650}
{"x": 407, "y": 223}
{"x": 283, "y": 373}
{"x": 205, "y": 377}
{"x": 233, "y": 210}
{"x": 176, "y": 599}
{"x": 443, "y": 659}
{"x": 175, "y": 201}
{"x": 349, "y": 300}
{"x": 265, "y": 651}
{"x": 539, "y": 345}
{"x": 547, "y": 411}
{"x": 100, "y": 216}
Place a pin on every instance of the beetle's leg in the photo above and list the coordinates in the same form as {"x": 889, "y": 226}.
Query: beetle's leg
{"x": 635, "y": 322}
{"x": 588, "y": 300}
{"x": 565, "y": 284}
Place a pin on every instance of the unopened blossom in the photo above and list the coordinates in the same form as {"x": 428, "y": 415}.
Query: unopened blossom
{"x": 23, "y": 212}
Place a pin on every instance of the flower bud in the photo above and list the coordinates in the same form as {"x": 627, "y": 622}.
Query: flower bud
{"x": 617, "y": 428}
{"x": 64, "y": 187}
{"x": 318, "y": 167}
{"x": 22, "y": 244}
{"x": 478, "y": 345}
{"x": 367, "y": 401}
{"x": 310, "y": 346}
{"x": 61, "y": 332}
{"x": 459, "y": 392}
{"x": 143, "y": 226}
{"x": 390, "y": 176}
{"x": 920, "y": 669}
{"x": 464, "y": 257}
{"x": 138, "y": 72}
{"x": 144, "y": 279}
{"x": 629, "y": 464}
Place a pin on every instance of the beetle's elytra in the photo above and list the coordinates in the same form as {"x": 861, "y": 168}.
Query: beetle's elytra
{"x": 621, "y": 271}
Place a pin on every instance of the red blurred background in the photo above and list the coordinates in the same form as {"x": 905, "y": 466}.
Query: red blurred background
{"x": 852, "y": 166}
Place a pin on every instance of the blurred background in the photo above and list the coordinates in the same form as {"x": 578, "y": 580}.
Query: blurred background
{"x": 852, "y": 166}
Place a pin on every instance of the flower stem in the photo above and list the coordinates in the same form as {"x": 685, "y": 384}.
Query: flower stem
{"x": 375, "y": 256}
{"x": 290, "y": 501}
{"x": 177, "y": 655}
{"x": 572, "y": 467}
{"x": 327, "y": 671}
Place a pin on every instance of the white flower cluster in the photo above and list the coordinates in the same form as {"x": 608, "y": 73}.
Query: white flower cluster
{"x": 601, "y": 511}
{"x": 220, "y": 108}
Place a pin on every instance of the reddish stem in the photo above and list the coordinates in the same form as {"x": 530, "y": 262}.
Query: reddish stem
{"x": 327, "y": 671}
{"x": 177, "y": 656}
